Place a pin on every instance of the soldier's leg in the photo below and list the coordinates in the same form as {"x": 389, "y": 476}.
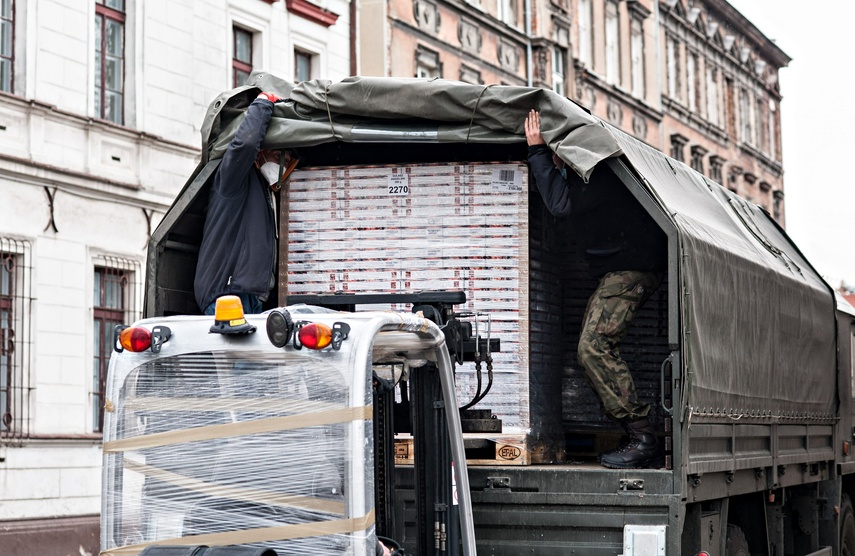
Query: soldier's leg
{"x": 610, "y": 311}
{"x": 607, "y": 319}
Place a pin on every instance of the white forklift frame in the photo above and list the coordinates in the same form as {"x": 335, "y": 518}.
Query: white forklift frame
{"x": 370, "y": 338}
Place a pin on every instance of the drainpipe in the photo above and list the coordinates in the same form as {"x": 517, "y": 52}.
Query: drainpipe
{"x": 528, "y": 57}
{"x": 353, "y": 28}
{"x": 659, "y": 73}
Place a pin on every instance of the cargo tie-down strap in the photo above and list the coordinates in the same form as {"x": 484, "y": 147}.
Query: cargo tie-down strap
{"x": 256, "y": 426}
{"x": 475, "y": 111}
{"x": 329, "y": 112}
{"x": 263, "y": 534}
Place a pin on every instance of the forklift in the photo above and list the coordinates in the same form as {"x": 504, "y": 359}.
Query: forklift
{"x": 253, "y": 435}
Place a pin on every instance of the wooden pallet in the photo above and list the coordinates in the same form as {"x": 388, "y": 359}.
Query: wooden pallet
{"x": 481, "y": 449}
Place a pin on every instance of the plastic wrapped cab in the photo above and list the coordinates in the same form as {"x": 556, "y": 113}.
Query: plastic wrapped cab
{"x": 226, "y": 439}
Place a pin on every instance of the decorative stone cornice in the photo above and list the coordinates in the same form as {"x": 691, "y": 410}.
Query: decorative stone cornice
{"x": 739, "y": 22}
{"x": 313, "y": 13}
{"x": 637, "y": 9}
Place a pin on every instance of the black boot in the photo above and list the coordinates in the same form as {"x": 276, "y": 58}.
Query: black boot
{"x": 642, "y": 451}
{"x": 624, "y": 443}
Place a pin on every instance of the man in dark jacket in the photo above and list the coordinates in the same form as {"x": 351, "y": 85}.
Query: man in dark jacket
{"x": 238, "y": 251}
{"x": 625, "y": 250}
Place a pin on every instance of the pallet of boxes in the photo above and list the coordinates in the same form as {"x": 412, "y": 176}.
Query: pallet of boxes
{"x": 454, "y": 226}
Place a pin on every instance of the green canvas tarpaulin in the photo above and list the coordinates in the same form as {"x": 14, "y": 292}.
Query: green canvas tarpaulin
{"x": 364, "y": 109}
{"x": 757, "y": 321}
{"x": 757, "y": 329}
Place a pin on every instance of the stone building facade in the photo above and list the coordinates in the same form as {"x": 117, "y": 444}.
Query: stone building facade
{"x": 693, "y": 78}
{"x": 101, "y": 103}
{"x": 475, "y": 42}
{"x": 100, "y": 108}
{"x": 721, "y": 101}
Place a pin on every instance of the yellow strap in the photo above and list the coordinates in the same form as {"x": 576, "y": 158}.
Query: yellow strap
{"x": 234, "y": 493}
{"x": 257, "y": 426}
{"x": 263, "y": 534}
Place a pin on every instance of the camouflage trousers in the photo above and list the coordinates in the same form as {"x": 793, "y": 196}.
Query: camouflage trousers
{"x": 610, "y": 311}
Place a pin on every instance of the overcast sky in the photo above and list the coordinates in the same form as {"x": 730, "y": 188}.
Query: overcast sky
{"x": 818, "y": 125}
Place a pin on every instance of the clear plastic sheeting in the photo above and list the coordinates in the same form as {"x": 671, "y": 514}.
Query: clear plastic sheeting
{"x": 209, "y": 448}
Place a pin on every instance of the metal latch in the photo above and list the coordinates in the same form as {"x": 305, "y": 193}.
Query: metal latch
{"x": 498, "y": 482}
{"x": 631, "y": 484}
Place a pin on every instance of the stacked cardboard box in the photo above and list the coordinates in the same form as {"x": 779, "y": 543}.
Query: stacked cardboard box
{"x": 426, "y": 227}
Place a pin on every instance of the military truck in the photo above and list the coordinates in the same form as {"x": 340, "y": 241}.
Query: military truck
{"x": 745, "y": 351}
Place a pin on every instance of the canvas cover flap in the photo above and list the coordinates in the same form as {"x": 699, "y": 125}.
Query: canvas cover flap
{"x": 367, "y": 109}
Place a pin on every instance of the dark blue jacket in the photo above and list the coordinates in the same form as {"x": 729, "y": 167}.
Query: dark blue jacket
{"x": 238, "y": 251}
{"x": 609, "y": 223}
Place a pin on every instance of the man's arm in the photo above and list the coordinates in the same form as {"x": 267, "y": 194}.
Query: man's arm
{"x": 557, "y": 192}
{"x": 243, "y": 148}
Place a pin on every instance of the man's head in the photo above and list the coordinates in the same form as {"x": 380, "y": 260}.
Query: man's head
{"x": 276, "y": 165}
{"x": 559, "y": 165}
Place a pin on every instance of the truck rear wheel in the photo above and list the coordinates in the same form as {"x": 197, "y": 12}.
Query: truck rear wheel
{"x": 736, "y": 544}
{"x": 847, "y": 527}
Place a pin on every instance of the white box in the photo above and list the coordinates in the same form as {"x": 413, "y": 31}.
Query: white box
{"x": 427, "y": 227}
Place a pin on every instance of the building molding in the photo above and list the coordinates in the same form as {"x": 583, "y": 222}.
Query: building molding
{"x": 81, "y": 184}
{"x": 32, "y": 106}
{"x": 443, "y": 46}
{"x": 313, "y": 13}
{"x": 586, "y": 76}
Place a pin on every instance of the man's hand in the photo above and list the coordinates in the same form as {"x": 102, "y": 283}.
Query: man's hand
{"x": 532, "y": 129}
{"x": 269, "y": 96}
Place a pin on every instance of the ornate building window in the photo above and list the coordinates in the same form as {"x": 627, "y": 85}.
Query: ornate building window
{"x": 773, "y": 130}
{"x": 470, "y": 75}
{"x": 678, "y": 142}
{"x": 110, "y": 60}
{"x": 692, "y": 81}
{"x": 15, "y": 338}
{"x": 636, "y": 48}
{"x": 427, "y": 63}
{"x": 760, "y": 125}
{"x": 730, "y": 107}
{"x": 304, "y": 65}
{"x": 7, "y": 46}
{"x": 712, "y": 95}
{"x": 559, "y": 57}
{"x": 745, "y": 117}
{"x": 733, "y": 178}
{"x": 114, "y": 303}
{"x": 697, "y": 162}
{"x": 507, "y": 12}
{"x": 778, "y": 205}
{"x": 612, "y": 43}
{"x": 716, "y": 163}
{"x": 586, "y": 39}
{"x": 242, "y": 56}
{"x": 672, "y": 55}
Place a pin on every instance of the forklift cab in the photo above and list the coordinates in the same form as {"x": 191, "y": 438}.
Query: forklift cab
{"x": 271, "y": 435}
